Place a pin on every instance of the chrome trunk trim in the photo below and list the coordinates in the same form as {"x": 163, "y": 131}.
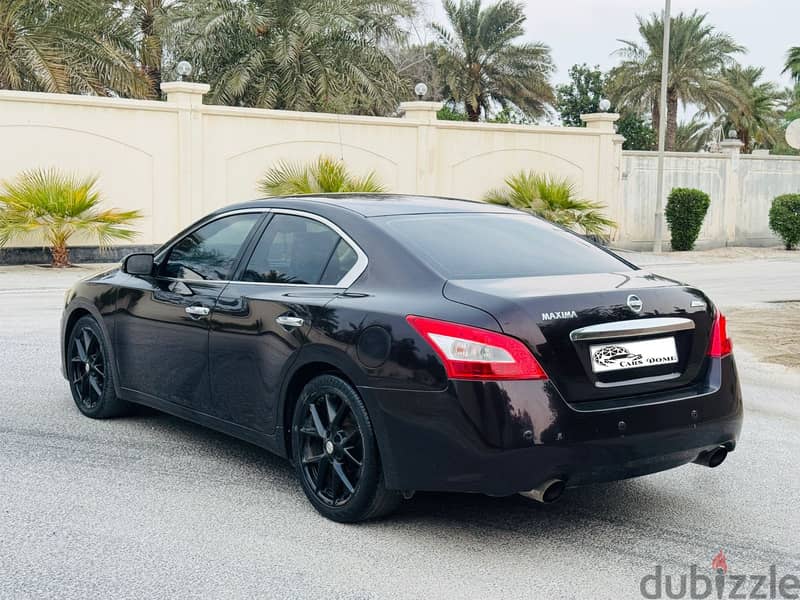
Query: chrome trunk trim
{"x": 631, "y": 328}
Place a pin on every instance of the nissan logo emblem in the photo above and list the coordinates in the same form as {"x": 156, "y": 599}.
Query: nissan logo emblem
{"x": 635, "y": 303}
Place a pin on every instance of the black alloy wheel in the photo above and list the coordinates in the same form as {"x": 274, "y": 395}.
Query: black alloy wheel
{"x": 89, "y": 372}
{"x": 335, "y": 453}
{"x": 333, "y": 450}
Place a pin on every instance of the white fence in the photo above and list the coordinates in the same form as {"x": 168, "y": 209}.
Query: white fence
{"x": 741, "y": 188}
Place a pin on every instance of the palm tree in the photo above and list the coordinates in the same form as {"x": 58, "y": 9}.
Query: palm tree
{"x": 483, "y": 66}
{"x": 693, "y": 135}
{"x": 793, "y": 63}
{"x": 296, "y": 54}
{"x": 789, "y": 103}
{"x": 753, "y": 115}
{"x": 68, "y": 46}
{"x": 154, "y": 25}
{"x": 787, "y": 110}
{"x": 55, "y": 206}
{"x": 325, "y": 175}
{"x": 552, "y": 199}
{"x": 697, "y": 55}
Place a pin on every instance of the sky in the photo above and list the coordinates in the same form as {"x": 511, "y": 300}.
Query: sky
{"x": 581, "y": 31}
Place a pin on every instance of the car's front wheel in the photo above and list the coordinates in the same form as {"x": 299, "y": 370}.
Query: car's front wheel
{"x": 91, "y": 379}
{"x": 336, "y": 454}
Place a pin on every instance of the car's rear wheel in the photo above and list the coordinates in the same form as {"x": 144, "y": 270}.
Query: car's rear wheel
{"x": 336, "y": 454}
{"x": 91, "y": 379}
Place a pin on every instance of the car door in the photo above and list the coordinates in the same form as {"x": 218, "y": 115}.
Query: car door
{"x": 162, "y": 320}
{"x": 262, "y": 319}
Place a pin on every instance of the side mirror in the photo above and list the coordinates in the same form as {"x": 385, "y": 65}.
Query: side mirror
{"x": 138, "y": 264}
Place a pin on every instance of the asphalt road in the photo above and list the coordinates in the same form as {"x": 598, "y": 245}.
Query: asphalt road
{"x": 153, "y": 507}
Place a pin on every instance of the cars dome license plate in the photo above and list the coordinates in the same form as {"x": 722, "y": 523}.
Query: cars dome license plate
{"x": 632, "y": 355}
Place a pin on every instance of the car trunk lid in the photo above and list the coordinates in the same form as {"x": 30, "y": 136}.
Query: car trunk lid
{"x": 601, "y": 335}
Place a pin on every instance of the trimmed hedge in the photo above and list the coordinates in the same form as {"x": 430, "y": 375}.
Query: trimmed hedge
{"x": 686, "y": 209}
{"x": 784, "y": 219}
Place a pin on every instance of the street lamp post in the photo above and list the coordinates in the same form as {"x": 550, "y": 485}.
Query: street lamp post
{"x": 662, "y": 132}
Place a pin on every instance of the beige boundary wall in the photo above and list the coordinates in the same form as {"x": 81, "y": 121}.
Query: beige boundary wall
{"x": 180, "y": 159}
{"x": 177, "y": 160}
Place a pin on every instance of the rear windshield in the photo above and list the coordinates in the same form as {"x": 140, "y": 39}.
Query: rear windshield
{"x": 496, "y": 245}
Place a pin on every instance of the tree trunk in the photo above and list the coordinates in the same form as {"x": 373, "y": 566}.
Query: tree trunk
{"x": 472, "y": 114}
{"x": 150, "y": 54}
{"x": 656, "y": 117}
{"x": 60, "y": 255}
{"x": 744, "y": 137}
{"x": 154, "y": 74}
{"x": 672, "y": 118}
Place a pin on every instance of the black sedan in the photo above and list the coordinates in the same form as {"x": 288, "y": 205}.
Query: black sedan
{"x": 388, "y": 344}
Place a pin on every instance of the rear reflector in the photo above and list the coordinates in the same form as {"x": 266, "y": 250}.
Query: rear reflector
{"x": 474, "y": 353}
{"x": 721, "y": 345}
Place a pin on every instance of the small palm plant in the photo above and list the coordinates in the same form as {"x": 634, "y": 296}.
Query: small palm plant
{"x": 325, "y": 175}
{"x": 54, "y": 205}
{"x": 552, "y": 199}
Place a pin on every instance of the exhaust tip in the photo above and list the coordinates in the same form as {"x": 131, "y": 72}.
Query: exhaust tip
{"x": 553, "y": 491}
{"x": 712, "y": 458}
{"x": 548, "y": 492}
{"x": 717, "y": 457}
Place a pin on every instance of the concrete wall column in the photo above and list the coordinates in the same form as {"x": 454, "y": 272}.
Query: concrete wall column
{"x": 609, "y": 162}
{"x": 427, "y": 143}
{"x": 731, "y": 148}
{"x": 188, "y": 97}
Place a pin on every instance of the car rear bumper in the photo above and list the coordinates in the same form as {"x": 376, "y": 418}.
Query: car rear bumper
{"x": 500, "y": 438}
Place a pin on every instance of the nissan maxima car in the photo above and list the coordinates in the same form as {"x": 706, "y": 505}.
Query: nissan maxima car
{"x": 389, "y": 344}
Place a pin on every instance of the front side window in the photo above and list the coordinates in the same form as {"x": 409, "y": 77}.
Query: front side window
{"x": 211, "y": 251}
{"x": 299, "y": 250}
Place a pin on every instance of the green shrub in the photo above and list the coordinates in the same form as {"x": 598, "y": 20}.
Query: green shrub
{"x": 686, "y": 209}
{"x": 448, "y": 113}
{"x": 784, "y": 219}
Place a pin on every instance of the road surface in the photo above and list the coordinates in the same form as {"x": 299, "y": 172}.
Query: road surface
{"x": 154, "y": 507}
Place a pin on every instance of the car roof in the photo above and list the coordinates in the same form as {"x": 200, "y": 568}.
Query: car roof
{"x": 377, "y": 205}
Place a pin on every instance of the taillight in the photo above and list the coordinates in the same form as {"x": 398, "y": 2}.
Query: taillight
{"x": 474, "y": 353}
{"x": 721, "y": 345}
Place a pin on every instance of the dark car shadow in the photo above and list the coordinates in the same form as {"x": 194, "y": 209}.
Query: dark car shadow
{"x": 610, "y": 503}
{"x": 621, "y": 519}
{"x": 225, "y": 448}
{"x": 631, "y": 503}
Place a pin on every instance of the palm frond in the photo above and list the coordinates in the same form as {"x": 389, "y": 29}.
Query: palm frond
{"x": 54, "y": 205}
{"x": 697, "y": 57}
{"x": 297, "y": 55}
{"x": 793, "y": 63}
{"x": 483, "y": 65}
{"x": 553, "y": 199}
{"x": 286, "y": 179}
{"x": 324, "y": 175}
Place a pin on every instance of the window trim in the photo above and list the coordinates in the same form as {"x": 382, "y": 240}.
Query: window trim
{"x": 345, "y": 282}
{"x": 164, "y": 252}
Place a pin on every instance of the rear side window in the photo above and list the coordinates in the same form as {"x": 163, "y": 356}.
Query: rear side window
{"x": 298, "y": 250}
{"x": 211, "y": 251}
{"x": 494, "y": 245}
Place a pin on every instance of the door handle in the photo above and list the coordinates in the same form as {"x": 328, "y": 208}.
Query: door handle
{"x": 197, "y": 311}
{"x": 288, "y": 321}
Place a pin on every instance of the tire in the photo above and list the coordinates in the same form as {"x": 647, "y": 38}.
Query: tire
{"x": 335, "y": 453}
{"x": 89, "y": 372}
